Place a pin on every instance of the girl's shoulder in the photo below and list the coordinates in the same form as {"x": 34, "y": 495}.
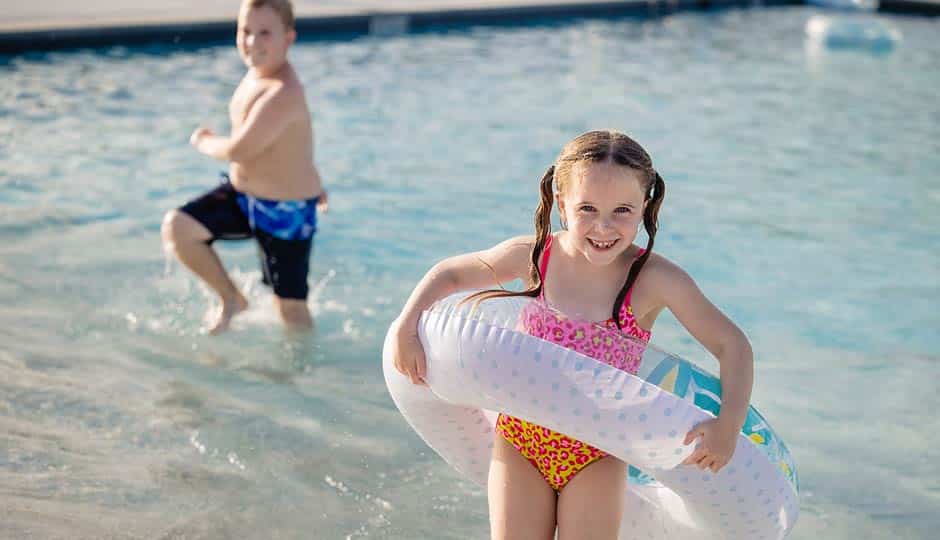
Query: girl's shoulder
{"x": 517, "y": 245}
{"x": 512, "y": 255}
{"x": 660, "y": 271}
{"x": 661, "y": 278}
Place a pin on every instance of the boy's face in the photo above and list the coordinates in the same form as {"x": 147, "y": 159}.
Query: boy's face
{"x": 263, "y": 39}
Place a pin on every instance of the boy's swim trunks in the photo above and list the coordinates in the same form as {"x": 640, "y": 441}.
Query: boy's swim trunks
{"x": 283, "y": 229}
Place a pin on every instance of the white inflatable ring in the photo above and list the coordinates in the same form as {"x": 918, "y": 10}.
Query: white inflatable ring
{"x": 479, "y": 365}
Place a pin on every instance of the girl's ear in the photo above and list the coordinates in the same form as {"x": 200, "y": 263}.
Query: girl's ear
{"x": 291, "y": 37}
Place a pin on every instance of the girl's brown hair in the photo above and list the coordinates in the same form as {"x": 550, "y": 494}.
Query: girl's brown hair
{"x": 592, "y": 147}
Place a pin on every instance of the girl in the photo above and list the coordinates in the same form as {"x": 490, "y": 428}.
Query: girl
{"x": 606, "y": 187}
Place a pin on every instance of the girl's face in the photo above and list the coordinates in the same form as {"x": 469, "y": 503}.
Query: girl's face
{"x": 263, "y": 39}
{"x": 603, "y": 207}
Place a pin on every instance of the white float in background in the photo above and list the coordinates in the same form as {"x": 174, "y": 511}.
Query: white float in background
{"x": 862, "y": 32}
{"x": 848, "y": 5}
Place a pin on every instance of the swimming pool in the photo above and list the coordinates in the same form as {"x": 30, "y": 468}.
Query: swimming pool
{"x": 802, "y": 195}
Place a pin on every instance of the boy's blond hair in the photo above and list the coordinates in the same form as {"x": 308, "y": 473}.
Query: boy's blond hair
{"x": 282, "y": 7}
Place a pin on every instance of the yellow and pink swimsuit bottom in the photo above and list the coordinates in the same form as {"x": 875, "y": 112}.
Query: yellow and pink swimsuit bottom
{"x": 555, "y": 455}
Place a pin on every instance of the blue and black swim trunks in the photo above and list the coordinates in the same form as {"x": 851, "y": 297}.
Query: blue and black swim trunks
{"x": 283, "y": 229}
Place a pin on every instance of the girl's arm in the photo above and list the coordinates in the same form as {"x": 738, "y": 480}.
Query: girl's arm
{"x": 504, "y": 262}
{"x": 730, "y": 346}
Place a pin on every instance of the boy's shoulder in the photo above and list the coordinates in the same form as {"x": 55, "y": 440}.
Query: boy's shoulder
{"x": 280, "y": 97}
{"x": 285, "y": 86}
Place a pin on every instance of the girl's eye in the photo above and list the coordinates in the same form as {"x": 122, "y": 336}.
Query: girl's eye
{"x": 265, "y": 33}
{"x": 623, "y": 210}
{"x": 587, "y": 208}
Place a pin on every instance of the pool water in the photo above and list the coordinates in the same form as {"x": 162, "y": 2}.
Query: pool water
{"x": 802, "y": 196}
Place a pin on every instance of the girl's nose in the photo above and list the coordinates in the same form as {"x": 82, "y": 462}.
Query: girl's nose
{"x": 603, "y": 224}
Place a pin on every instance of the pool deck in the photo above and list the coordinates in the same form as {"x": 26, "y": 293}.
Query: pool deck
{"x": 60, "y": 14}
{"x": 56, "y": 24}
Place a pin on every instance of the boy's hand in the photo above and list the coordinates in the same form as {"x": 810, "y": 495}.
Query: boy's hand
{"x": 199, "y": 134}
{"x": 323, "y": 204}
{"x": 716, "y": 447}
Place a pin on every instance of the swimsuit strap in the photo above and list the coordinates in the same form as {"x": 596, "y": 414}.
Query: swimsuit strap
{"x": 543, "y": 266}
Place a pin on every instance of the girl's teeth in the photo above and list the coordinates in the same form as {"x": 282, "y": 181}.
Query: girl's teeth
{"x": 603, "y": 245}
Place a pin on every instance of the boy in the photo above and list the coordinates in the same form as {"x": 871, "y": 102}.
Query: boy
{"x": 272, "y": 190}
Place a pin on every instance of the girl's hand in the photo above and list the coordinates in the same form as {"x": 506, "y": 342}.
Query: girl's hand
{"x": 716, "y": 447}
{"x": 408, "y": 352}
{"x": 323, "y": 204}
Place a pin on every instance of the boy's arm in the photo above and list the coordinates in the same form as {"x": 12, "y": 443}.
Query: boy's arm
{"x": 323, "y": 203}
{"x": 267, "y": 119}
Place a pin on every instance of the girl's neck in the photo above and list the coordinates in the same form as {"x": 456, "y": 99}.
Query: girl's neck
{"x": 579, "y": 289}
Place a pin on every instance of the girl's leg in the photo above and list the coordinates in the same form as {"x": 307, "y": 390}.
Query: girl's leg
{"x": 590, "y": 506}
{"x": 522, "y": 504}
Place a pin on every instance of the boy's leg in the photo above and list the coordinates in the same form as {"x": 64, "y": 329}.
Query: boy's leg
{"x": 590, "y": 506}
{"x": 189, "y": 238}
{"x": 285, "y": 265}
{"x": 294, "y": 313}
{"x": 522, "y": 504}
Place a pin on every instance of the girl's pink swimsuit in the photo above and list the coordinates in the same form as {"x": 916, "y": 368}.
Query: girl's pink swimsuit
{"x": 556, "y": 456}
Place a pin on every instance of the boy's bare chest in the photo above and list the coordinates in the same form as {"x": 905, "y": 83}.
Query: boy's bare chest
{"x": 244, "y": 98}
